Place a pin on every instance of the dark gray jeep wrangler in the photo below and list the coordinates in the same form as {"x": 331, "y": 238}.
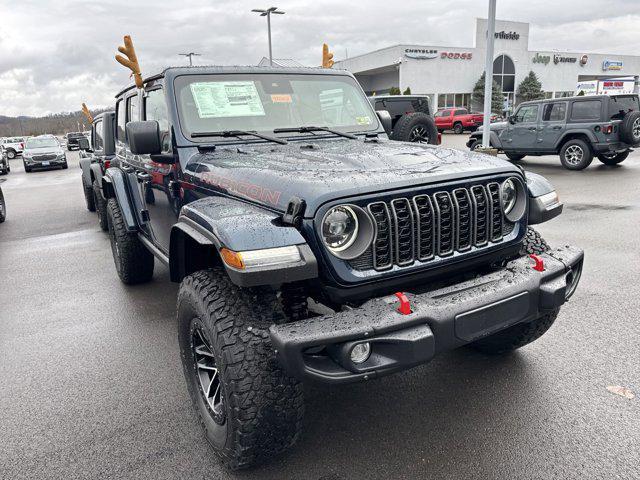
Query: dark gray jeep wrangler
{"x": 310, "y": 247}
{"x": 576, "y": 128}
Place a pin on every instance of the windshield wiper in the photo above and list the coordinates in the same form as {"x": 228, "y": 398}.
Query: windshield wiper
{"x": 239, "y": 133}
{"x": 315, "y": 129}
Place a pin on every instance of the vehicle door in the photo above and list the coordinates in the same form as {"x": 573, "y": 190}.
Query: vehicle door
{"x": 443, "y": 119}
{"x": 128, "y": 110}
{"x": 552, "y": 125}
{"x": 522, "y": 132}
{"x": 159, "y": 183}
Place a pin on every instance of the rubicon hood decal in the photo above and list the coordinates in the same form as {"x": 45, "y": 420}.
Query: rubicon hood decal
{"x": 330, "y": 169}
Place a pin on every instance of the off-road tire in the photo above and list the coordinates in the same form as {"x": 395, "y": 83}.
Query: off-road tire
{"x": 134, "y": 263}
{"x": 584, "y": 162}
{"x": 533, "y": 243}
{"x": 262, "y": 406}
{"x": 100, "y": 206}
{"x": 408, "y": 123}
{"x": 630, "y": 128}
{"x": 614, "y": 159}
{"x": 475, "y": 145}
{"x": 515, "y": 157}
{"x": 3, "y": 208}
{"x": 458, "y": 129}
{"x": 520, "y": 334}
{"x": 89, "y": 198}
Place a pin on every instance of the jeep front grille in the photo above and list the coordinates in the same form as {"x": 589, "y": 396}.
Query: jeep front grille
{"x": 433, "y": 225}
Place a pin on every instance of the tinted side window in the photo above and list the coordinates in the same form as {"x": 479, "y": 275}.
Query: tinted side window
{"x": 155, "y": 108}
{"x": 554, "y": 112}
{"x": 527, "y": 114}
{"x": 587, "y": 110}
{"x": 121, "y": 121}
{"x": 619, "y": 106}
{"x": 399, "y": 107}
{"x": 460, "y": 112}
{"x": 98, "y": 141}
{"x": 380, "y": 105}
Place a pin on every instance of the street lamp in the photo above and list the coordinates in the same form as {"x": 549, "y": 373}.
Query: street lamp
{"x": 190, "y": 55}
{"x": 267, "y": 13}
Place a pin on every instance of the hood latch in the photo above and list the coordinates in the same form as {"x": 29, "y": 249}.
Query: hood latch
{"x": 295, "y": 212}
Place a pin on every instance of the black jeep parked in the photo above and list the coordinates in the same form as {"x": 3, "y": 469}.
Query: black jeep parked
{"x": 310, "y": 247}
{"x": 94, "y": 160}
{"x": 411, "y": 117}
{"x": 576, "y": 128}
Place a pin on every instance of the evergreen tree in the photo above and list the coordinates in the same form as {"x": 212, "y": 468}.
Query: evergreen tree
{"x": 395, "y": 91}
{"x": 530, "y": 88}
{"x": 407, "y": 91}
{"x": 497, "y": 98}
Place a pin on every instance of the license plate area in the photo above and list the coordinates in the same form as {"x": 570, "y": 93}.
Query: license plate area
{"x": 45, "y": 163}
{"x": 491, "y": 318}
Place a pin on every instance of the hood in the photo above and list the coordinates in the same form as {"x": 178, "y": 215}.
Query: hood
{"x": 331, "y": 169}
{"x": 43, "y": 150}
{"x": 497, "y": 126}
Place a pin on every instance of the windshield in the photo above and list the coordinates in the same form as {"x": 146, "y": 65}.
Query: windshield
{"x": 42, "y": 142}
{"x": 265, "y": 102}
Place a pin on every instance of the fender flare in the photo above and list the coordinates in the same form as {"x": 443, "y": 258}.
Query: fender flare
{"x": 115, "y": 184}
{"x": 85, "y": 165}
{"x": 583, "y": 131}
{"x": 539, "y": 212}
{"x": 96, "y": 174}
{"x": 212, "y": 223}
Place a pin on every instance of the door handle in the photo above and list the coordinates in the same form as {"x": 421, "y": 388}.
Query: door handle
{"x": 533, "y": 129}
{"x": 143, "y": 177}
{"x": 557, "y": 127}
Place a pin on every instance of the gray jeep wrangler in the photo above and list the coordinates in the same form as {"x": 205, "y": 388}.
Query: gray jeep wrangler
{"x": 309, "y": 247}
{"x": 576, "y": 128}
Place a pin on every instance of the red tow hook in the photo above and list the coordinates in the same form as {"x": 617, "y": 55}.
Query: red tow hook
{"x": 539, "y": 266}
{"x": 405, "y": 306}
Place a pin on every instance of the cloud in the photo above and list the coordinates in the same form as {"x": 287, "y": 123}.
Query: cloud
{"x": 56, "y": 55}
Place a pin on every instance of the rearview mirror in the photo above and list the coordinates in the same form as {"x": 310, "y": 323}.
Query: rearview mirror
{"x": 83, "y": 143}
{"x": 144, "y": 137}
{"x": 385, "y": 120}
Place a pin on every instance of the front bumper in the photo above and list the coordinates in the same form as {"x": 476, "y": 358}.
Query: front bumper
{"x": 49, "y": 163}
{"x": 443, "y": 319}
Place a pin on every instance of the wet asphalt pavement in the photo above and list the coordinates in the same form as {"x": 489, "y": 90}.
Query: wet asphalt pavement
{"x": 91, "y": 383}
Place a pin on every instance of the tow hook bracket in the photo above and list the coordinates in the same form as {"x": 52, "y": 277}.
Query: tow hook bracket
{"x": 405, "y": 306}
{"x": 539, "y": 265}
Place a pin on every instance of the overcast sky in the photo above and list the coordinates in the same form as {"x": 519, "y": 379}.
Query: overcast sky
{"x": 56, "y": 54}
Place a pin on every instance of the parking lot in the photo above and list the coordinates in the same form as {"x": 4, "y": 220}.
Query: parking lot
{"x": 91, "y": 381}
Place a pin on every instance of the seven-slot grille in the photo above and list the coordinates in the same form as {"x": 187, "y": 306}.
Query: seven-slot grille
{"x": 439, "y": 224}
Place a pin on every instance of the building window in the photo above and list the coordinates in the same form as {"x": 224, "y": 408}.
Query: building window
{"x": 504, "y": 73}
{"x": 452, "y": 100}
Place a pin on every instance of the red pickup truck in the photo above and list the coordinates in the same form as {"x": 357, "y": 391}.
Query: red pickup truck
{"x": 457, "y": 119}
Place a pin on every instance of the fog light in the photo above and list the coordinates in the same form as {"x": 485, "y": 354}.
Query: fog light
{"x": 360, "y": 353}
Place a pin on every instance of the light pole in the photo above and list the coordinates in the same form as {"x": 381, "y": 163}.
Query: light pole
{"x": 488, "y": 75}
{"x": 190, "y": 55}
{"x": 267, "y": 13}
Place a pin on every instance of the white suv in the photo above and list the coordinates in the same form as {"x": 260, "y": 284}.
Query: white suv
{"x": 13, "y": 146}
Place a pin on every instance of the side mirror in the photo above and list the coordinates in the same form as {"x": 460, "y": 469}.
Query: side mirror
{"x": 144, "y": 137}
{"x": 512, "y": 119}
{"x": 385, "y": 119}
{"x": 83, "y": 144}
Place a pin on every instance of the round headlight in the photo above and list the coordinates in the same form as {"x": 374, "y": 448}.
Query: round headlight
{"x": 509, "y": 195}
{"x": 339, "y": 228}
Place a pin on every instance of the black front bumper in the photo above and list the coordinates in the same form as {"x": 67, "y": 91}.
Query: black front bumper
{"x": 318, "y": 348}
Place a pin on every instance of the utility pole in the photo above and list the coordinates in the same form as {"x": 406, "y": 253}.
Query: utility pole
{"x": 488, "y": 76}
{"x": 267, "y": 13}
{"x": 190, "y": 55}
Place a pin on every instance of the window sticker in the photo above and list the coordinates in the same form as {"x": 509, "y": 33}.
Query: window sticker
{"x": 227, "y": 99}
{"x": 365, "y": 120}
{"x": 281, "y": 98}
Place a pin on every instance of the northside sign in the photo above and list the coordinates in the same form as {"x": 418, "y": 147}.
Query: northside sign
{"x": 507, "y": 35}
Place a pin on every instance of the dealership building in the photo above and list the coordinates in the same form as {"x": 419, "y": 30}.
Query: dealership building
{"x": 448, "y": 74}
